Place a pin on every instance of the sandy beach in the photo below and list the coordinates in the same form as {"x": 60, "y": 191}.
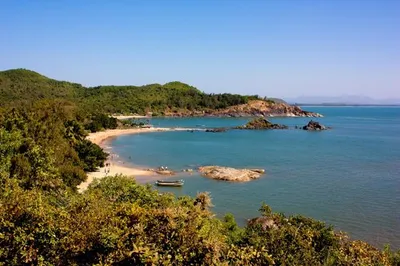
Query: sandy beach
{"x": 100, "y": 137}
{"x": 117, "y": 167}
{"x": 122, "y": 117}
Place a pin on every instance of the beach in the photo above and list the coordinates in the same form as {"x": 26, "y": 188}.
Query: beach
{"x": 122, "y": 117}
{"x": 116, "y": 167}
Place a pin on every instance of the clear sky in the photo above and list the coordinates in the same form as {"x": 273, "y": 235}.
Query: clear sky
{"x": 268, "y": 47}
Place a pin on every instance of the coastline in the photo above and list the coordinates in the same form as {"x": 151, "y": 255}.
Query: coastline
{"x": 122, "y": 117}
{"x": 118, "y": 167}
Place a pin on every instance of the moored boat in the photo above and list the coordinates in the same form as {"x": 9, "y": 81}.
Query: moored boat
{"x": 170, "y": 183}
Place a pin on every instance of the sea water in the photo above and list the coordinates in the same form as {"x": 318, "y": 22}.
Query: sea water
{"x": 348, "y": 176}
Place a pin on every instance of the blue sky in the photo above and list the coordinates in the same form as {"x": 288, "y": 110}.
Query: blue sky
{"x": 266, "y": 47}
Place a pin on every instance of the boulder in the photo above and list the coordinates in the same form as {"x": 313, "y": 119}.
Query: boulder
{"x": 313, "y": 125}
{"x": 266, "y": 223}
{"x": 261, "y": 123}
{"x": 230, "y": 174}
{"x": 165, "y": 172}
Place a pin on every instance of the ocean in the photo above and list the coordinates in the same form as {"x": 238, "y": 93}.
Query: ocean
{"x": 348, "y": 176}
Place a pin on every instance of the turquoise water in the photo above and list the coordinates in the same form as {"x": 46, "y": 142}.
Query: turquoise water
{"x": 348, "y": 176}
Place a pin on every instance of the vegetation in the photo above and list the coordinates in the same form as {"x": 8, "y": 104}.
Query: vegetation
{"x": 100, "y": 122}
{"x": 20, "y": 85}
{"x": 45, "y": 221}
{"x": 135, "y": 122}
{"x": 43, "y": 145}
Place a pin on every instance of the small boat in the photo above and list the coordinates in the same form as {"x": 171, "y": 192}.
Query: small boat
{"x": 170, "y": 183}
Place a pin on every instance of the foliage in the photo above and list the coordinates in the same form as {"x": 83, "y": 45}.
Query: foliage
{"x": 119, "y": 222}
{"x": 91, "y": 155}
{"x": 135, "y": 122}
{"x": 43, "y": 145}
{"x": 298, "y": 240}
{"x": 100, "y": 122}
{"x": 20, "y": 85}
{"x": 123, "y": 223}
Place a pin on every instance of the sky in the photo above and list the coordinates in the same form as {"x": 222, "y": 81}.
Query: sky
{"x": 275, "y": 48}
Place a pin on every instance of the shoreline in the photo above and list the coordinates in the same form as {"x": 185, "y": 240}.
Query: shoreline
{"x": 118, "y": 167}
{"x": 122, "y": 117}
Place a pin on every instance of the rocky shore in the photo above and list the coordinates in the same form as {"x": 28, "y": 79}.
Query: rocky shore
{"x": 252, "y": 108}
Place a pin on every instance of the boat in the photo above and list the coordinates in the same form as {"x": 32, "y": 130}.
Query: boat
{"x": 170, "y": 183}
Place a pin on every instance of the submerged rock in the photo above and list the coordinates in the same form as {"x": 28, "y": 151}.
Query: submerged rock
{"x": 216, "y": 130}
{"x": 313, "y": 125}
{"x": 230, "y": 174}
{"x": 261, "y": 123}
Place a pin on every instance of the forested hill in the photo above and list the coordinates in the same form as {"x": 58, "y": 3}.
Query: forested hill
{"x": 26, "y": 85}
{"x": 172, "y": 99}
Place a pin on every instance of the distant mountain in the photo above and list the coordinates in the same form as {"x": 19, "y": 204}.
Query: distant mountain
{"x": 342, "y": 100}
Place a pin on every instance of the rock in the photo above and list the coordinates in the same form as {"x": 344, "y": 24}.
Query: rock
{"x": 165, "y": 172}
{"x": 260, "y": 171}
{"x": 256, "y": 107}
{"x": 313, "y": 125}
{"x": 230, "y": 174}
{"x": 187, "y": 170}
{"x": 265, "y": 222}
{"x": 216, "y": 130}
{"x": 261, "y": 123}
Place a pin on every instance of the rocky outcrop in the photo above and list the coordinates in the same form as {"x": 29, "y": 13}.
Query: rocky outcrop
{"x": 230, "y": 174}
{"x": 262, "y": 108}
{"x": 261, "y": 123}
{"x": 216, "y": 130}
{"x": 266, "y": 223}
{"x": 315, "y": 126}
{"x": 165, "y": 172}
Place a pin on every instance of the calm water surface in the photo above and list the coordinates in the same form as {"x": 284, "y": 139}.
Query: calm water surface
{"x": 348, "y": 176}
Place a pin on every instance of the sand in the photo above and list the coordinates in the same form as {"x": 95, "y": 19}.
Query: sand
{"x": 100, "y": 137}
{"x": 122, "y": 117}
{"x": 118, "y": 167}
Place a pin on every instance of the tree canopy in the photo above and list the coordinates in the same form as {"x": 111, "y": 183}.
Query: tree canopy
{"x": 20, "y": 85}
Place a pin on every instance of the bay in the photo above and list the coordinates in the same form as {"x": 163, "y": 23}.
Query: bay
{"x": 348, "y": 176}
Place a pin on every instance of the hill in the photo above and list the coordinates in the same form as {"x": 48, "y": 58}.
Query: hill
{"x": 171, "y": 99}
{"x": 27, "y": 85}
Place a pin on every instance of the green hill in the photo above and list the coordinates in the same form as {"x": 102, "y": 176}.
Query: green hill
{"x": 28, "y": 86}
